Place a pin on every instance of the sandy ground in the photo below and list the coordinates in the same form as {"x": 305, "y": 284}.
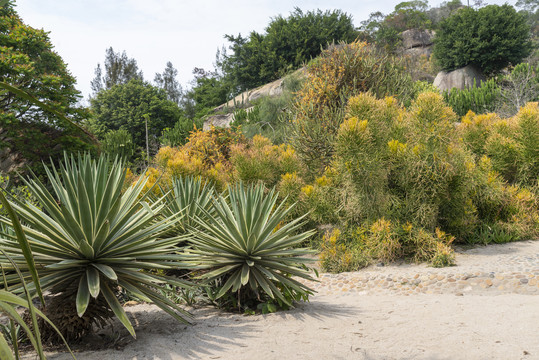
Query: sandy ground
{"x": 350, "y": 326}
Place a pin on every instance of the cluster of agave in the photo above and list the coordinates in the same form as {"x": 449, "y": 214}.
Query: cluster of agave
{"x": 90, "y": 239}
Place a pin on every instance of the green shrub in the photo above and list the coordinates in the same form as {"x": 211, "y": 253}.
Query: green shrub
{"x": 479, "y": 99}
{"x": 179, "y": 133}
{"x": 260, "y": 160}
{"x": 359, "y": 246}
{"x": 491, "y": 38}
{"x": 119, "y": 143}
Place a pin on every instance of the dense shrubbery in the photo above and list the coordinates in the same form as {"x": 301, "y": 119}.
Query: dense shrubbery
{"x": 224, "y": 156}
{"x": 491, "y": 38}
{"x": 406, "y": 183}
{"x": 339, "y": 73}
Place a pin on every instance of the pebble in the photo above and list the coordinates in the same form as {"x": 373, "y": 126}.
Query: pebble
{"x": 506, "y": 272}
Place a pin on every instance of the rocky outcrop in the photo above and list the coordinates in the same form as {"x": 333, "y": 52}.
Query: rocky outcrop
{"x": 222, "y": 120}
{"x": 246, "y": 98}
{"x": 462, "y": 78}
{"x": 244, "y": 101}
{"x": 415, "y": 38}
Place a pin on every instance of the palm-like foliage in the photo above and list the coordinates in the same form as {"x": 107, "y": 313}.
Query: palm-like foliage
{"x": 189, "y": 199}
{"x": 248, "y": 246}
{"x": 92, "y": 238}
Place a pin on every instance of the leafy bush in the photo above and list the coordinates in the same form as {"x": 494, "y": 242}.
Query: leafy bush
{"x": 491, "y": 38}
{"x": 179, "y": 133}
{"x": 511, "y": 144}
{"x": 90, "y": 239}
{"x": 250, "y": 251}
{"x": 339, "y": 73}
{"x": 206, "y": 154}
{"x": 260, "y": 160}
{"x": 119, "y": 143}
{"x": 406, "y": 185}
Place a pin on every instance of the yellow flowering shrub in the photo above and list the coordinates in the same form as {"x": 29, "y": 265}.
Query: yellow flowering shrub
{"x": 336, "y": 75}
{"x": 260, "y": 160}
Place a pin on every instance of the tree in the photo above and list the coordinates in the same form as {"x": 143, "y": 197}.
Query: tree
{"x": 490, "y": 38}
{"x": 409, "y": 15}
{"x": 209, "y": 90}
{"x": 385, "y": 31}
{"x": 286, "y": 45}
{"x": 119, "y": 69}
{"x": 128, "y": 106}
{"x": 29, "y": 63}
{"x": 167, "y": 81}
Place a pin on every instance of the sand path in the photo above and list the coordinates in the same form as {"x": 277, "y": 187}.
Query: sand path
{"x": 446, "y": 320}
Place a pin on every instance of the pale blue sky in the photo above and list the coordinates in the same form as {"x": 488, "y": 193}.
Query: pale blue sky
{"x": 187, "y": 33}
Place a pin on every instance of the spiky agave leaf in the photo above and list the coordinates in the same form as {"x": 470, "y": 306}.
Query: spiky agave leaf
{"x": 91, "y": 235}
{"x": 247, "y": 243}
{"x": 190, "y": 197}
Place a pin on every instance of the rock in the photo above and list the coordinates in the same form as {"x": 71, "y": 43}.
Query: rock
{"x": 415, "y": 38}
{"x": 246, "y": 98}
{"x": 461, "y": 78}
{"x": 218, "y": 121}
{"x": 418, "y": 51}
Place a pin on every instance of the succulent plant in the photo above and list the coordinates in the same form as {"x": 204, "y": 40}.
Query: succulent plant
{"x": 247, "y": 245}
{"x": 90, "y": 238}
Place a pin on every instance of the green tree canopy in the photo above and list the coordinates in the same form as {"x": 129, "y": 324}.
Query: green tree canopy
{"x": 286, "y": 44}
{"x": 29, "y": 63}
{"x": 168, "y": 82}
{"x": 490, "y": 38}
{"x": 119, "y": 69}
{"x": 127, "y": 106}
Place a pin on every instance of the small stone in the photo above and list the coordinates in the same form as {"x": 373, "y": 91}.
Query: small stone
{"x": 499, "y": 277}
{"x": 488, "y": 282}
{"x": 523, "y": 281}
{"x": 416, "y": 276}
{"x": 451, "y": 280}
{"x": 432, "y": 277}
{"x": 440, "y": 277}
{"x": 533, "y": 282}
{"x": 500, "y": 287}
{"x": 459, "y": 294}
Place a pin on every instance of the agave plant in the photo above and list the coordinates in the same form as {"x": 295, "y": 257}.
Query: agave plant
{"x": 189, "y": 199}
{"x": 9, "y": 301}
{"x": 90, "y": 238}
{"x": 248, "y": 247}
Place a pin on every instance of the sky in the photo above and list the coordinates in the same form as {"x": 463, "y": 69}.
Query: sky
{"x": 185, "y": 32}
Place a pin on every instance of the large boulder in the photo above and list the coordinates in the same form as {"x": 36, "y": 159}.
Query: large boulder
{"x": 462, "y": 78}
{"x": 223, "y": 120}
{"x": 415, "y": 38}
{"x": 246, "y": 98}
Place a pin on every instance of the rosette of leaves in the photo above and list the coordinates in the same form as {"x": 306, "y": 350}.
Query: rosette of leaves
{"x": 89, "y": 239}
{"x": 9, "y": 302}
{"x": 189, "y": 198}
{"x": 249, "y": 249}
